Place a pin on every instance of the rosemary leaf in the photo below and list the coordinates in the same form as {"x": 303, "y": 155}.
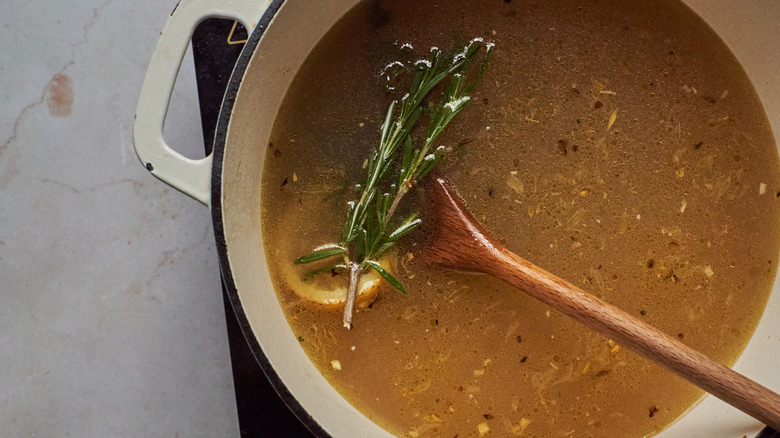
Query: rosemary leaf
{"x": 386, "y": 275}
{"x": 407, "y": 227}
{"x": 408, "y": 157}
{"x": 320, "y": 254}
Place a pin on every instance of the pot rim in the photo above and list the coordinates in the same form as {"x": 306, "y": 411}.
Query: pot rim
{"x": 220, "y": 138}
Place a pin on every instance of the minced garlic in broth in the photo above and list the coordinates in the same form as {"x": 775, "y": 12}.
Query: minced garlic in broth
{"x": 617, "y": 144}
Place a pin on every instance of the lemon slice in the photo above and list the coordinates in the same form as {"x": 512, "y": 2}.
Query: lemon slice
{"x": 331, "y": 290}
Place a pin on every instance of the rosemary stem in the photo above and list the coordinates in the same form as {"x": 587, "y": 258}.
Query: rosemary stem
{"x": 367, "y": 233}
{"x": 407, "y": 184}
{"x": 354, "y": 278}
{"x": 401, "y": 192}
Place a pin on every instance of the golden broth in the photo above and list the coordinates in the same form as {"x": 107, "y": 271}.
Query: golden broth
{"x": 616, "y": 144}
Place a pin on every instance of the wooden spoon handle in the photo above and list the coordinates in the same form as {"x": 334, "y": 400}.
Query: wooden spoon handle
{"x": 458, "y": 242}
{"x": 718, "y": 380}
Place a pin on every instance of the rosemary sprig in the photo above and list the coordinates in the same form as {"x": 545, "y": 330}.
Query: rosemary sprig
{"x": 367, "y": 232}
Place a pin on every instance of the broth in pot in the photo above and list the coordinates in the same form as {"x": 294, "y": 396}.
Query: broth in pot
{"x": 619, "y": 145}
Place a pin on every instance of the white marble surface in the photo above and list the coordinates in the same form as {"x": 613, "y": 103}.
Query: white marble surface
{"x": 111, "y": 317}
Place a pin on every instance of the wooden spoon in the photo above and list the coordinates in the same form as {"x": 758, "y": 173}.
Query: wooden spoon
{"x": 458, "y": 242}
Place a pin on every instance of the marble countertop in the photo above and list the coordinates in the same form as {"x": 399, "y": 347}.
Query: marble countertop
{"x": 111, "y": 317}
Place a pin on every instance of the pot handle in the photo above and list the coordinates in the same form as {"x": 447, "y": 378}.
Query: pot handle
{"x": 192, "y": 177}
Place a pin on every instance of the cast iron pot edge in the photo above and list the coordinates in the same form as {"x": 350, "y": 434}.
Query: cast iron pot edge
{"x": 220, "y": 137}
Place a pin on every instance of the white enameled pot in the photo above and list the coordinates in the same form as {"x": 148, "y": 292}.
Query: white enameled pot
{"x": 228, "y": 181}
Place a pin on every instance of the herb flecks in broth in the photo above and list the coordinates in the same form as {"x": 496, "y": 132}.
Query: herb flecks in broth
{"x": 601, "y": 208}
{"x": 368, "y": 231}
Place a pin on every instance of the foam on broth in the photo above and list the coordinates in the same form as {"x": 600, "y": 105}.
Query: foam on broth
{"x": 615, "y": 144}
